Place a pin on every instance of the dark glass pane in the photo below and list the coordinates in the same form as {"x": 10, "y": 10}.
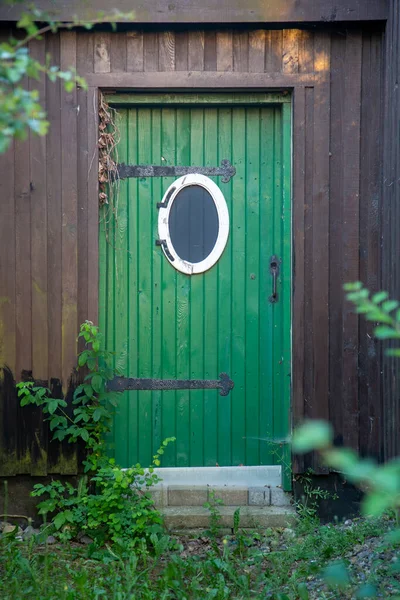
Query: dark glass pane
{"x": 193, "y": 223}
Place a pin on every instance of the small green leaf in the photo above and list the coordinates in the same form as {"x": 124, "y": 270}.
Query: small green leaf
{"x": 97, "y": 382}
{"x": 379, "y": 297}
{"x": 353, "y": 286}
{"x": 376, "y": 503}
{"x": 390, "y": 305}
{"x": 59, "y": 520}
{"x": 313, "y": 435}
{"x": 385, "y": 333}
{"x": 367, "y": 591}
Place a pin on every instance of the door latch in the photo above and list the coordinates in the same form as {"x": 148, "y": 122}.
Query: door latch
{"x": 274, "y": 263}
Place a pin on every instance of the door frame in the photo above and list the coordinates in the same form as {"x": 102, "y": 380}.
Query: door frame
{"x": 238, "y": 97}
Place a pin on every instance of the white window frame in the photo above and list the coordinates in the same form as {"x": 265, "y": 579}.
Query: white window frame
{"x": 223, "y": 224}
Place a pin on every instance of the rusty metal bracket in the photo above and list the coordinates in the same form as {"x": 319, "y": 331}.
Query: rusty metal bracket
{"x": 120, "y": 384}
{"x": 226, "y": 170}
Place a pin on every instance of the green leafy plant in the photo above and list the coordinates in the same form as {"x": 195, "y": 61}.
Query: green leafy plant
{"x": 118, "y": 510}
{"x": 110, "y": 504}
{"x": 20, "y": 108}
{"x": 93, "y": 404}
{"x": 213, "y": 505}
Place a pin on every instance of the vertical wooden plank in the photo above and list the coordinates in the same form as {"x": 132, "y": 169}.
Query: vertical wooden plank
{"x": 38, "y": 234}
{"x": 320, "y": 224}
{"x": 69, "y": 212}
{"x": 371, "y": 422}
{"x": 102, "y": 53}
{"x": 273, "y": 51}
{"x": 350, "y": 233}
{"x": 181, "y": 50}
{"x": 224, "y": 266}
{"x": 290, "y": 55}
{"x": 336, "y": 300}
{"x": 150, "y": 51}
{"x": 238, "y": 236}
{"x": 92, "y": 204}
{"x": 157, "y": 290}
{"x": 298, "y": 203}
{"x": 253, "y": 272}
{"x": 306, "y": 51}
{"x": 224, "y": 51}
{"x": 241, "y": 51}
{"x": 197, "y": 301}
{"x": 85, "y": 64}
{"x": 210, "y": 312}
{"x": 309, "y": 366}
{"x": 169, "y": 297}
{"x": 7, "y": 268}
{"x": 134, "y": 51}
{"x": 196, "y": 51}
{"x": 210, "y": 51}
{"x": 183, "y": 310}
{"x": 267, "y": 249}
{"x": 118, "y": 55}
{"x": 133, "y": 398}
{"x": 122, "y": 292}
{"x": 54, "y": 213}
{"x": 166, "y": 48}
{"x": 23, "y": 299}
{"x": 257, "y": 51}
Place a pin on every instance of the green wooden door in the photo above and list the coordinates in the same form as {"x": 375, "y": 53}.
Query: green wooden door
{"x": 166, "y": 324}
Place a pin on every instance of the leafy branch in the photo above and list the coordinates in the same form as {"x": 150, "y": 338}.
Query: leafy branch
{"x": 20, "y": 108}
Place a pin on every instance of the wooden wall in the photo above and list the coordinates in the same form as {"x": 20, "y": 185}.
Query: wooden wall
{"x": 390, "y": 224}
{"x": 48, "y": 221}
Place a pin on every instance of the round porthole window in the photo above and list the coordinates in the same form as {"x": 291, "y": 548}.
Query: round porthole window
{"x": 193, "y": 224}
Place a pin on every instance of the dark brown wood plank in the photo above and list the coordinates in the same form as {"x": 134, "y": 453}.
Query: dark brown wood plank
{"x": 69, "y": 199}
{"x": 150, "y": 50}
{"x": 338, "y": 100}
{"x": 102, "y": 52}
{"x": 166, "y": 49}
{"x": 23, "y": 301}
{"x": 320, "y": 224}
{"x": 306, "y": 51}
{"x": 197, "y": 79}
{"x": 134, "y": 51}
{"x": 118, "y": 52}
{"x": 85, "y": 65}
{"x": 290, "y": 57}
{"x": 39, "y": 233}
{"x": 257, "y": 51}
{"x": 54, "y": 209}
{"x": 215, "y": 11}
{"x": 7, "y": 267}
{"x": 371, "y": 438}
{"x": 210, "y": 51}
{"x": 196, "y": 51}
{"x": 241, "y": 51}
{"x": 224, "y": 51}
{"x": 273, "y": 51}
{"x": 93, "y": 205}
{"x": 309, "y": 366}
{"x": 182, "y": 50}
{"x": 350, "y": 233}
{"x": 298, "y": 203}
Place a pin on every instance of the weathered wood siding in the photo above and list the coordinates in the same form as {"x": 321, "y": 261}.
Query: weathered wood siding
{"x": 391, "y": 225}
{"x": 48, "y": 222}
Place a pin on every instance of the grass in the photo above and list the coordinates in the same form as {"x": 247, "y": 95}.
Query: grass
{"x": 279, "y": 565}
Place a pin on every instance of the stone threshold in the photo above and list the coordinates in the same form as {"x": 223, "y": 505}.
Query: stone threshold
{"x": 197, "y": 495}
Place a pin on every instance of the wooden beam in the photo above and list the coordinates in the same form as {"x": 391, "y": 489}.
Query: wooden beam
{"x": 197, "y": 80}
{"x": 215, "y": 11}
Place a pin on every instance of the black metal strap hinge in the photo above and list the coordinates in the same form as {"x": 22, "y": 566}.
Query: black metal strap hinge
{"x": 226, "y": 171}
{"x": 120, "y": 384}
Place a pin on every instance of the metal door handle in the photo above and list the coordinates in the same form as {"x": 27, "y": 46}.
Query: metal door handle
{"x": 274, "y": 270}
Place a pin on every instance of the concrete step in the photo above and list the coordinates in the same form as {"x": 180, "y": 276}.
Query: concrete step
{"x": 188, "y": 518}
{"x": 230, "y": 495}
